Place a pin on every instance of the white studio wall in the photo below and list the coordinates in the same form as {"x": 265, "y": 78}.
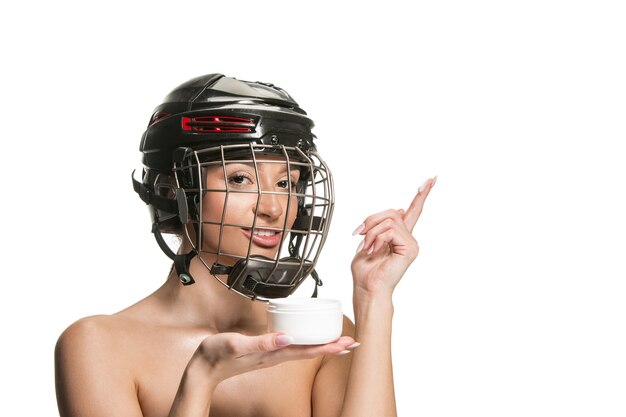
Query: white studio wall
{"x": 514, "y": 306}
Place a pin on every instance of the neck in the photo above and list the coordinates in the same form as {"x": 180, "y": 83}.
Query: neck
{"x": 208, "y": 303}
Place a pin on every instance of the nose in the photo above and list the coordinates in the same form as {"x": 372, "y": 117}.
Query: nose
{"x": 269, "y": 206}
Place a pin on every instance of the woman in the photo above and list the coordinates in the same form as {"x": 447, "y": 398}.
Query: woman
{"x": 231, "y": 167}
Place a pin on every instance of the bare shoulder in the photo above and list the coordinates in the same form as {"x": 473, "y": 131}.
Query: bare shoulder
{"x": 94, "y": 333}
{"x": 88, "y": 363}
{"x": 87, "y": 326}
{"x": 89, "y": 344}
{"x": 110, "y": 339}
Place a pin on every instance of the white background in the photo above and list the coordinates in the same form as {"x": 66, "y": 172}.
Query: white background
{"x": 515, "y": 306}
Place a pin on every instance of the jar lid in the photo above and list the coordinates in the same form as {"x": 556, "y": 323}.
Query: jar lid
{"x": 303, "y": 304}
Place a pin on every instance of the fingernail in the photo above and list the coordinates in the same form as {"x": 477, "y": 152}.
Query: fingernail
{"x": 360, "y": 246}
{"x": 422, "y": 186}
{"x": 371, "y": 250}
{"x": 358, "y": 229}
{"x": 353, "y": 346}
{"x": 283, "y": 340}
{"x": 434, "y": 181}
{"x": 343, "y": 352}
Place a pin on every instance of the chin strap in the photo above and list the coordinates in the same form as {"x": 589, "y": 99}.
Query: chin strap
{"x": 177, "y": 207}
{"x": 318, "y": 283}
{"x": 181, "y": 261}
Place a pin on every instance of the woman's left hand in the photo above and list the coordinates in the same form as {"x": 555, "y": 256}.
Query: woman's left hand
{"x": 388, "y": 247}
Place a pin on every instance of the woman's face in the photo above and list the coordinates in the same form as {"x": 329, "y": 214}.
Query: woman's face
{"x": 271, "y": 208}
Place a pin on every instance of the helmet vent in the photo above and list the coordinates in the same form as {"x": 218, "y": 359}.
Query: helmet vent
{"x": 218, "y": 124}
{"x": 159, "y": 116}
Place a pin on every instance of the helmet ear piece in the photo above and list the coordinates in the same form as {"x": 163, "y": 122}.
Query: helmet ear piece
{"x": 184, "y": 169}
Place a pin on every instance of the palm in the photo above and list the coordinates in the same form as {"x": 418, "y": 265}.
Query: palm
{"x": 384, "y": 268}
{"x": 388, "y": 247}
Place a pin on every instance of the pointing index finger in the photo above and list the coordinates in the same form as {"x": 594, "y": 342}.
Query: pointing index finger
{"x": 415, "y": 208}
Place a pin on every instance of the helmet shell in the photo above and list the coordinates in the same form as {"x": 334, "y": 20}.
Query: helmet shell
{"x": 213, "y": 110}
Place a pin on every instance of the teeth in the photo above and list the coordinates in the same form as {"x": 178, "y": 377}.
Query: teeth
{"x": 265, "y": 232}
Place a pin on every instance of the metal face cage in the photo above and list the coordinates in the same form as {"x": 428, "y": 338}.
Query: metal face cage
{"x": 258, "y": 215}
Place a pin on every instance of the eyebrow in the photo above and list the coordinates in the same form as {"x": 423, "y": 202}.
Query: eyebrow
{"x": 250, "y": 165}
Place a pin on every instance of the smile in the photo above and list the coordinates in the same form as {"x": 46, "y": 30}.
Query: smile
{"x": 264, "y": 237}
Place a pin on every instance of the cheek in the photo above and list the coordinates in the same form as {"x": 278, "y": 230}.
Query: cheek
{"x": 236, "y": 207}
{"x": 212, "y": 206}
{"x": 212, "y": 210}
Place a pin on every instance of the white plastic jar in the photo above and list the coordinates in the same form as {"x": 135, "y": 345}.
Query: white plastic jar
{"x": 310, "y": 321}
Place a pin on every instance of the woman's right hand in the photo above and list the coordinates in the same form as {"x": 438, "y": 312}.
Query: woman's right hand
{"x": 224, "y": 355}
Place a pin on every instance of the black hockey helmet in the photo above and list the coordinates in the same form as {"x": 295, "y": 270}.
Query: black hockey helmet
{"x": 214, "y": 119}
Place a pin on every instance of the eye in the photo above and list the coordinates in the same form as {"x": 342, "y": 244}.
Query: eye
{"x": 285, "y": 184}
{"x": 239, "y": 179}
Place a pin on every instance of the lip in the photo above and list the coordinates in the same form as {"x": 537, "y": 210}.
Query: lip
{"x": 264, "y": 241}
